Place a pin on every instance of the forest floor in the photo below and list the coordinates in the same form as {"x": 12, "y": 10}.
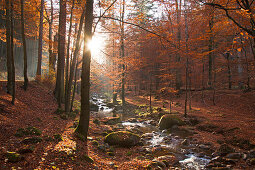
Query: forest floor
{"x": 231, "y": 119}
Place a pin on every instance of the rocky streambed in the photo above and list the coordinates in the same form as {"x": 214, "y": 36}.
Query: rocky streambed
{"x": 169, "y": 142}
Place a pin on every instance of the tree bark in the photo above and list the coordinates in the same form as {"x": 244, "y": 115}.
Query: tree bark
{"x": 12, "y": 55}
{"x": 67, "y": 99}
{"x": 85, "y": 78}
{"x": 59, "y": 90}
{"x": 40, "y": 43}
{"x": 75, "y": 55}
{"x": 122, "y": 50}
{"x": 229, "y": 72}
{"x": 24, "y": 44}
{"x": 8, "y": 47}
{"x": 51, "y": 57}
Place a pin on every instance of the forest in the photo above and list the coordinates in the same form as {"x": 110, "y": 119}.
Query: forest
{"x": 127, "y": 84}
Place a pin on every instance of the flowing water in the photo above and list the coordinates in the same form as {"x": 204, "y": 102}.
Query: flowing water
{"x": 156, "y": 138}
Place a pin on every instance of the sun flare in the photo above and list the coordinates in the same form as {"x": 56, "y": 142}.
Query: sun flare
{"x": 96, "y": 45}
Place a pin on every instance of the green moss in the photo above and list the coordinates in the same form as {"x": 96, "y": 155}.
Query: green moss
{"x": 129, "y": 153}
{"x": 169, "y": 120}
{"x": 64, "y": 116}
{"x": 27, "y": 149}
{"x": 13, "y": 157}
{"x": 58, "y": 137}
{"x": 87, "y": 158}
{"x": 94, "y": 143}
{"x": 59, "y": 111}
{"x": 28, "y": 131}
{"x": 110, "y": 153}
{"x": 96, "y": 121}
{"x": 32, "y": 140}
{"x": 122, "y": 138}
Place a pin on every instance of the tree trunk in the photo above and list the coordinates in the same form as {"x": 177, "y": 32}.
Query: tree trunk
{"x": 59, "y": 90}
{"x": 75, "y": 55}
{"x": 74, "y": 86}
{"x": 229, "y": 72}
{"x": 24, "y": 44}
{"x": 12, "y": 55}
{"x": 122, "y": 49}
{"x": 8, "y": 47}
{"x": 85, "y": 78}
{"x": 178, "y": 76}
{"x": 187, "y": 58}
{"x": 51, "y": 57}
{"x": 40, "y": 43}
{"x": 210, "y": 48}
{"x": 67, "y": 58}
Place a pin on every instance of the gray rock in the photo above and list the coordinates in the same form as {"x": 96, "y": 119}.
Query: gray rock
{"x": 234, "y": 156}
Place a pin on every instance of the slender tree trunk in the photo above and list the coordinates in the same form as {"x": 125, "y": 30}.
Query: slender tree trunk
{"x": 61, "y": 53}
{"x": 203, "y": 79}
{"x": 75, "y": 55}
{"x": 40, "y": 43}
{"x": 67, "y": 58}
{"x": 85, "y": 78}
{"x": 178, "y": 81}
{"x": 8, "y": 47}
{"x": 187, "y": 58}
{"x": 74, "y": 86}
{"x": 24, "y": 44}
{"x": 214, "y": 80}
{"x": 122, "y": 49}
{"x": 210, "y": 48}
{"x": 12, "y": 55}
{"x": 150, "y": 94}
{"x": 51, "y": 57}
{"x": 229, "y": 72}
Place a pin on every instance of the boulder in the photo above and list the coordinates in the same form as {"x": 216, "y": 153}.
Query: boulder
{"x": 111, "y": 120}
{"x": 13, "y": 157}
{"x": 94, "y": 107}
{"x": 31, "y": 140}
{"x": 225, "y": 149}
{"x": 122, "y": 138}
{"x": 168, "y": 121}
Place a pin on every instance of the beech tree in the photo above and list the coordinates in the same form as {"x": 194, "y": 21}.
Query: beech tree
{"x": 59, "y": 89}
{"x": 85, "y": 77}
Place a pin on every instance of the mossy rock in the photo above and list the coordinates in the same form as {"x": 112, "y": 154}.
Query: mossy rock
{"x": 28, "y": 131}
{"x": 58, "y": 137}
{"x": 122, "y": 138}
{"x": 32, "y": 140}
{"x": 169, "y": 120}
{"x": 87, "y": 158}
{"x": 96, "y": 121}
{"x": 47, "y": 138}
{"x": 94, "y": 143}
{"x": 225, "y": 149}
{"x": 94, "y": 107}
{"x": 13, "y": 157}
{"x": 129, "y": 153}
{"x": 112, "y": 121}
{"x": 26, "y": 149}
{"x": 64, "y": 116}
{"x": 59, "y": 111}
{"x": 111, "y": 153}
{"x": 110, "y": 105}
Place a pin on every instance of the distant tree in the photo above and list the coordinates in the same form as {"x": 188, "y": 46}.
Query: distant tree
{"x": 24, "y": 44}
{"x": 40, "y": 42}
{"x": 59, "y": 89}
